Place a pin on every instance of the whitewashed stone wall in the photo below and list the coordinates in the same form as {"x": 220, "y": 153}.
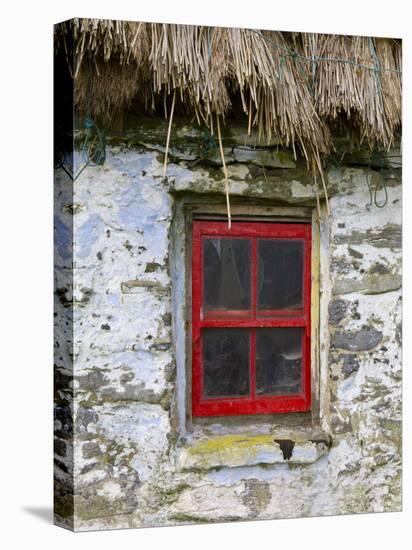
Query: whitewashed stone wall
{"x": 123, "y": 455}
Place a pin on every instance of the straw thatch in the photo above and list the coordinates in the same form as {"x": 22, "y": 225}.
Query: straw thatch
{"x": 301, "y": 88}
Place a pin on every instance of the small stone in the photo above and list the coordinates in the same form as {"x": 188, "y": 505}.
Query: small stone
{"x": 89, "y": 468}
{"x": 264, "y": 157}
{"x": 93, "y": 380}
{"x": 350, "y": 365}
{"x": 379, "y": 269}
{"x": 60, "y": 447}
{"x": 167, "y": 319}
{"x": 257, "y": 496}
{"x": 137, "y": 285}
{"x": 160, "y": 346}
{"x": 63, "y": 416}
{"x": 152, "y": 266}
{"x": 85, "y": 416}
{"x": 337, "y": 311}
{"x": 341, "y": 266}
{"x": 91, "y": 449}
{"x": 354, "y": 253}
{"x": 238, "y": 171}
{"x": 363, "y": 340}
{"x": 301, "y": 191}
{"x": 369, "y": 284}
{"x": 389, "y": 236}
{"x": 340, "y": 426}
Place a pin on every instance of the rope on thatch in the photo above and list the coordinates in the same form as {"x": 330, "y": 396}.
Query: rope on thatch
{"x": 366, "y": 88}
{"x": 295, "y": 83}
{"x": 299, "y": 87}
{"x": 222, "y": 154}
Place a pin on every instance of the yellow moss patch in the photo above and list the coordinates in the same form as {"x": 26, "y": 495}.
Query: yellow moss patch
{"x": 231, "y": 450}
{"x": 229, "y": 442}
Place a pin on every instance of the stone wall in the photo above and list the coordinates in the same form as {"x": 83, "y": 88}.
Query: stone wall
{"x": 125, "y": 455}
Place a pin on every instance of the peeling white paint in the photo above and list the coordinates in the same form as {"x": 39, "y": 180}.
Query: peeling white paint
{"x": 129, "y": 319}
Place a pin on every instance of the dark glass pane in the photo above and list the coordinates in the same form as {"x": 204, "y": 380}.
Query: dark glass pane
{"x": 280, "y": 274}
{"x": 225, "y": 362}
{"x": 278, "y": 361}
{"x": 226, "y": 268}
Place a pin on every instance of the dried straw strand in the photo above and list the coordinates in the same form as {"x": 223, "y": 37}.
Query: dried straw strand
{"x": 316, "y": 186}
{"x": 222, "y": 154}
{"x": 169, "y": 130}
{"x": 301, "y": 99}
{"x": 325, "y": 190}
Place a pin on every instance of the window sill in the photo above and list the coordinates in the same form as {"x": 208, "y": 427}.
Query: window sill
{"x": 236, "y": 450}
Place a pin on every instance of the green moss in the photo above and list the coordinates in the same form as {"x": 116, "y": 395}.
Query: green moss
{"x": 186, "y": 518}
{"x": 99, "y": 507}
{"x": 63, "y": 500}
{"x": 171, "y": 494}
{"x": 230, "y": 443}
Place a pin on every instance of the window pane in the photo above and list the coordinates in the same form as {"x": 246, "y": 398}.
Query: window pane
{"x": 225, "y": 362}
{"x": 280, "y": 275}
{"x": 226, "y": 265}
{"x": 278, "y": 361}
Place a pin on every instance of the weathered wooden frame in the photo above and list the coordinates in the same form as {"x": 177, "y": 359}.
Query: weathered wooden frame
{"x": 204, "y": 211}
{"x": 251, "y": 403}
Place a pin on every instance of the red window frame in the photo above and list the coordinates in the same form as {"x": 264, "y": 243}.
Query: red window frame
{"x": 251, "y": 404}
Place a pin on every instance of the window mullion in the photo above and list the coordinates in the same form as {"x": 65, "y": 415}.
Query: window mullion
{"x": 254, "y": 315}
{"x": 253, "y": 363}
{"x": 253, "y": 272}
{"x": 255, "y": 323}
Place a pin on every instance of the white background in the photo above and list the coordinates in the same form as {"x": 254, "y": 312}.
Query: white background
{"x": 26, "y": 273}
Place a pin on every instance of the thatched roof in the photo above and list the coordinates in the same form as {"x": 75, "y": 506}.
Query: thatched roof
{"x": 300, "y": 87}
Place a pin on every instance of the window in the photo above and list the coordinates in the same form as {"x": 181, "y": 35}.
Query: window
{"x": 251, "y": 307}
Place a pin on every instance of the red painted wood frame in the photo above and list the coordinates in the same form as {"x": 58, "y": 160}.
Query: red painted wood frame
{"x": 251, "y": 404}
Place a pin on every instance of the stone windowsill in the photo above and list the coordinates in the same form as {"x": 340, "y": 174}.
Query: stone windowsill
{"x": 249, "y": 450}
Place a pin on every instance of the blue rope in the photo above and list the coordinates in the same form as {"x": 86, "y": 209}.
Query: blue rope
{"x": 295, "y": 55}
{"x": 98, "y": 156}
{"x": 93, "y": 155}
{"x": 377, "y": 158}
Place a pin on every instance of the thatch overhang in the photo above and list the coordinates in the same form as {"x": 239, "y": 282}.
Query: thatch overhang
{"x": 301, "y": 88}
